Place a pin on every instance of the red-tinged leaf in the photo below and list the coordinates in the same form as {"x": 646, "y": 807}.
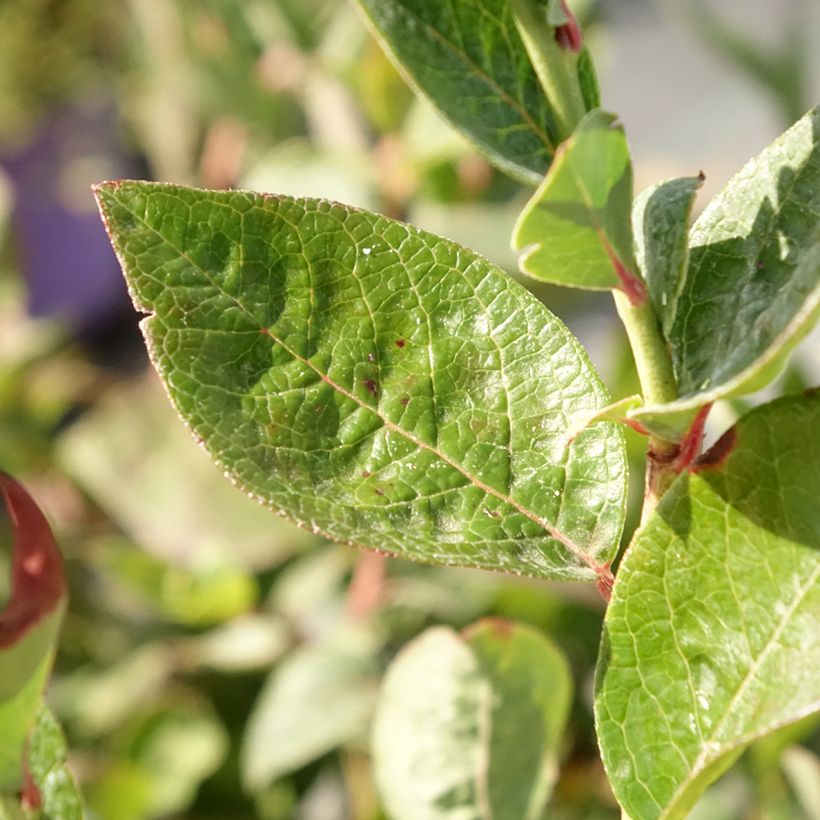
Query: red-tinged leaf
{"x": 37, "y": 580}
{"x": 29, "y": 624}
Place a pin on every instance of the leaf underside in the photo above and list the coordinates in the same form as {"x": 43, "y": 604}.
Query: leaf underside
{"x": 374, "y": 383}
{"x": 469, "y": 725}
{"x": 469, "y": 60}
{"x": 711, "y": 634}
{"x": 752, "y": 290}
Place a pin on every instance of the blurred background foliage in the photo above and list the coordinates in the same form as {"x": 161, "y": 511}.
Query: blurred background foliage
{"x": 217, "y": 662}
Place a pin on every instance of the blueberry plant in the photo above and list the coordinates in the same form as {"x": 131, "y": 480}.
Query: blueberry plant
{"x": 389, "y": 389}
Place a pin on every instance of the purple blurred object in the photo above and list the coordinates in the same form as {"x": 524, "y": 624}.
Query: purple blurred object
{"x": 60, "y": 245}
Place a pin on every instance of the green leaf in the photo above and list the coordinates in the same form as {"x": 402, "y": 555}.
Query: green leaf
{"x": 660, "y": 222}
{"x": 467, "y": 58}
{"x": 752, "y": 290}
{"x": 320, "y": 697}
{"x": 711, "y": 634}
{"x": 60, "y": 796}
{"x": 576, "y": 230}
{"x": 371, "y": 381}
{"x": 468, "y": 726}
{"x": 29, "y": 623}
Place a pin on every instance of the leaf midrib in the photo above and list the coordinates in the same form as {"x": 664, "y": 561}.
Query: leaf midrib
{"x": 548, "y": 527}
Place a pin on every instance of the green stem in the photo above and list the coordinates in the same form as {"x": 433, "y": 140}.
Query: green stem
{"x": 556, "y": 67}
{"x": 659, "y": 386}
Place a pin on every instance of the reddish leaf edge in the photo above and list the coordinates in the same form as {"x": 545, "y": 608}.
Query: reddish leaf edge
{"x": 37, "y": 578}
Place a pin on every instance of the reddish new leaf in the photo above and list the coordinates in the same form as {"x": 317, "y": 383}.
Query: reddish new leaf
{"x": 37, "y": 580}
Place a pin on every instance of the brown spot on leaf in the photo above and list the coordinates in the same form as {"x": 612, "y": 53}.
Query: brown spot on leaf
{"x": 405, "y": 400}
{"x": 400, "y": 342}
{"x": 371, "y": 386}
{"x": 371, "y": 357}
{"x": 378, "y": 491}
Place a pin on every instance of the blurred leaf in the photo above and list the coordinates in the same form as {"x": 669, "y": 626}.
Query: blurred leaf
{"x": 29, "y": 623}
{"x": 248, "y": 643}
{"x": 468, "y": 726}
{"x": 752, "y": 290}
{"x": 47, "y": 756}
{"x": 195, "y": 597}
{"x": 802, "y": 769}
{"x": 310, "y": 592}
{"x": 295, "y": 168}
{"x": 161, "y": 764}
{"x": 407, "y": 427}
{"x": 318, "y": 698}
{"x": 711, "y": 633}
{"x": 49, "y": 57}
{"x": 95, "y": 701}
{"x": 576, "y": 230}
{"x": 168, "y": 496}
{"x": 385, "y": 97}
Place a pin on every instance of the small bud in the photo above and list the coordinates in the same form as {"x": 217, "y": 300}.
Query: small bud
{"x": 568, "y": 35}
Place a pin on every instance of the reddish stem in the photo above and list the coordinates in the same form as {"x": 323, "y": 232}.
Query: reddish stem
{"x": 366, "y": 590}
{"x": 692, "y": 442}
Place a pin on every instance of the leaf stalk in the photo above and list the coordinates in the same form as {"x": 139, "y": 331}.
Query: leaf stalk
{"x": 555, "y": 63}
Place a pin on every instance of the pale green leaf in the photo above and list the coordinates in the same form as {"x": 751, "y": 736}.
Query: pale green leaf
{"x": 752, "y": 290}
{"x": 802, "y": 768}
{"x": 660, "y": 223}
{"x": 711, "y": 637}
{"x": 371, "y": 381}
{"x": 320, "y": 697}
{"x": 467, "y": 58}
{"x": 468, "y": 726}
{"x": 197, "y": 521}
{"x": 576, "y": 229}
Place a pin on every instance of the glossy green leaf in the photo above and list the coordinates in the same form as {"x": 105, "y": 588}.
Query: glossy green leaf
{"x": 660, "y": 223}
{"x": 467, "y": 58}
{"x": 576, "y": 229}
{"x": 29, "y": 623}
{"x": 59, "y": 794}
{"x": 371, "y": 381}
{"x": 752, "y": 290}
{"x": 711, "y": 634}
{"x": 320, "y": 697}
{"x": 468, "y": 726}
